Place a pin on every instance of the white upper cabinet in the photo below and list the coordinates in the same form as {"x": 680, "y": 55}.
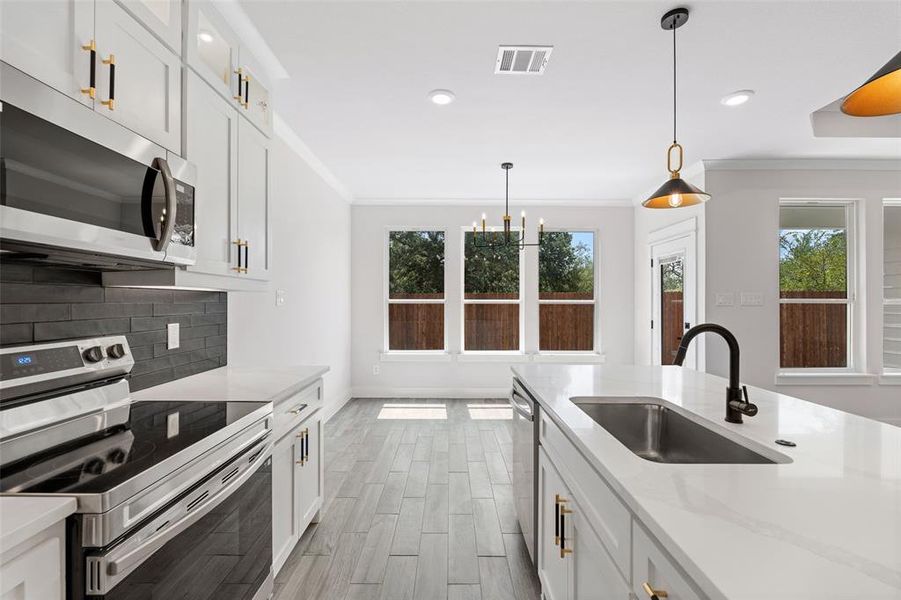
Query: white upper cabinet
{"x": 255, "y": 91}
{"x": 212, "y": 49}
{"x": 211, "y": 143}
{"x": 138, "y": 79}
{"x": 162, "y": 17}
{"x": 254, "y": 166}
{"x": 51, "y": 41}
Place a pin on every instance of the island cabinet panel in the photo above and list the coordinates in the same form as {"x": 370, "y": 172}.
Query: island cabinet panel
{"x": 655, "y": 571}
{"x": 552, "y": 566}
{"x": 35, "y": 568}
{"x": 600, "y": 504}
{"x": 592, "y": 572}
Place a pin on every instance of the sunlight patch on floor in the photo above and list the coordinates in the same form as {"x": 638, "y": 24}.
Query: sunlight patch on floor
{"x": 401, "y": 410}
{"x": 490, "y": 412}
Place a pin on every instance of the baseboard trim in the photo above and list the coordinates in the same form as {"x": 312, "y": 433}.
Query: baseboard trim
{"x": 332, "y": 411}
{"x": 436, "y": 392}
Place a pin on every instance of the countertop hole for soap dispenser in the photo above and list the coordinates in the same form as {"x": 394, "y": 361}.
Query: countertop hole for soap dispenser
{"x": 788, "y": 443}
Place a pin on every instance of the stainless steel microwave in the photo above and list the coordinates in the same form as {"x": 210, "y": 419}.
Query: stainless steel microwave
{"x": 76, "y": 187}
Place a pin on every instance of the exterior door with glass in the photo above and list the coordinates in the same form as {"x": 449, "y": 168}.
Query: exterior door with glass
{"x": 674, "y": 300}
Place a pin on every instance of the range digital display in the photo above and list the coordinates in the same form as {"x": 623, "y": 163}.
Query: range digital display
{"x": 23, "y": 360}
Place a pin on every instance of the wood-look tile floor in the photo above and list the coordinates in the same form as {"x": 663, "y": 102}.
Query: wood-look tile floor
{"x": 418, "y": 506}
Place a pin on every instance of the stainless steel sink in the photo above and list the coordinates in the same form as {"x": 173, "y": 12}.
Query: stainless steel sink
{"x": 660, "y": 434}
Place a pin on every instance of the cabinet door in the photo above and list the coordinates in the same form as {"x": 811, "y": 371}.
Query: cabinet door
{"x": 147, "y": 77}
{"x": 284, "y": 500}
{"x": 36, "y": 567}
{"x": 212, "y": 49}
{"x": 309, "y": 473}
{"x": 162, "y": 17}
{"x": 592, "y": 572}
{"x": 652, "y": 566}
{"x": 256, "y": 105}
{"x": 211, "y": 143}
{"x": 552, "y": 567}
{"x": 254, "y": 163}
{"x": 45, "y": 41}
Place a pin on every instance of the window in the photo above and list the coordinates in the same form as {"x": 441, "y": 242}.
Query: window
{"x": 566, "y": 302}
{"x": 891, "y": 296}
{"x": 415, "y": 290}
{"x": 816, "y": 284}
{"x": 491, "y": 297}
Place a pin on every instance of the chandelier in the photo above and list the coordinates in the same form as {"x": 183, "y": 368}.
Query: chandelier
{"x": 489, "y": 237}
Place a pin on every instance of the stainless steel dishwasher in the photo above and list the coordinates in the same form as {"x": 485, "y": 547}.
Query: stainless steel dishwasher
{"x": 525, "y": 459}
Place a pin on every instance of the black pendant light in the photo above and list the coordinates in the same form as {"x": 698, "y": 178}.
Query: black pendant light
{"x": 880, "y": 95}
{"x": 489, "y": 238}
{"x": 675, "y": 193}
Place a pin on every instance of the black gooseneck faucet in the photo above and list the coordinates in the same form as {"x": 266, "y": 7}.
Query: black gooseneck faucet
{"x": 736, "y": 395}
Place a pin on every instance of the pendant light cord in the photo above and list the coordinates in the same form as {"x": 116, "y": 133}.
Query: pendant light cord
{"x": 674, "y": 82}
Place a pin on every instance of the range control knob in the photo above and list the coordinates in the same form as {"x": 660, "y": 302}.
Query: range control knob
{"x": 116, "y": 351}
{"x": 93, "y": 354}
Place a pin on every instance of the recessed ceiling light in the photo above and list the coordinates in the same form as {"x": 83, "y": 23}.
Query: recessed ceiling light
{"x": 737, "y": 98}
{"x": 441, "y": 97}
{"x": 205, "y": 36}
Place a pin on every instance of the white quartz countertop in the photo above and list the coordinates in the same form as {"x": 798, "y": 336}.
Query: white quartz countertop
{"x": 825, "y": 525}
{"x": 236, "y": 384}
{"x": 22, "y": 518}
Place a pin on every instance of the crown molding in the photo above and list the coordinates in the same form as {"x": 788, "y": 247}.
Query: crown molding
{"x": 451, "y": 202}
{"x": 803, "y": 164}
{"x": 293, "y": 141}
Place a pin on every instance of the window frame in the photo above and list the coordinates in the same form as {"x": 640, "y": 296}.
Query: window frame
{"x": 854, "y": 320}
{"x": 388, "y": 301}
{"x": 464, "y": 301}
{"x": 595, "y": 334}
{"x": 890, "y": 372}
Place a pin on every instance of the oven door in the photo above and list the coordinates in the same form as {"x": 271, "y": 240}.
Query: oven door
{"x": 215, "y": 541}
{"x": 96, "y": 190}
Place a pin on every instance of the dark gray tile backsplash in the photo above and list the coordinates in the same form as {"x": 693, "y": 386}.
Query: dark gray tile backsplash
{"x": 42, "y": 304}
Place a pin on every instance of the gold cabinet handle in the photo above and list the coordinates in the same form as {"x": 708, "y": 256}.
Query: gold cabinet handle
{"x": 652, "y": 593}
{"x": 564, "y": 551}
{"x": 111, "y": 103}
{"x": 240, "y": 244}
{"x": 240, "y": 75}
{"x": 91, "y": 90}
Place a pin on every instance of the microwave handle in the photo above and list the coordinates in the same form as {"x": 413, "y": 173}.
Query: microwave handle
{"x": 168, "y": 218}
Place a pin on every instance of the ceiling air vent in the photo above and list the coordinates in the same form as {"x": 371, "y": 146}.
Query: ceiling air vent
{"x": 522, "y": 60}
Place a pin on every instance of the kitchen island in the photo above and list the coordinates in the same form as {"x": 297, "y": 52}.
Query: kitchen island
{"x": 822, "y": 521}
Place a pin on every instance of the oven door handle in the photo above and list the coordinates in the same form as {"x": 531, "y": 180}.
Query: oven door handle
{"x": 168, "y": 218}
{"x": 121, "y": 565}
{"x": 523, "y": 409}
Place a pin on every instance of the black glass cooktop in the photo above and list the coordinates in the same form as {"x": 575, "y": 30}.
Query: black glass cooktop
{"x": 153, "y": 432}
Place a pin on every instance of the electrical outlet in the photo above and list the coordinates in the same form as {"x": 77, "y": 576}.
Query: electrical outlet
{"x": 281, "y": 297}
{"x": 376, "y": 369}
{"x": 751, "y": 299}
{"x": 172, "y": 336}
{"x": 172, "y": 426}
{"x": 725, "y": 299}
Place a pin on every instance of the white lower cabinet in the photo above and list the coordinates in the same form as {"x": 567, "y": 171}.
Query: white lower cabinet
{"x": 36, "y": 567}
{"x": 296, "y": 472}
{"x": 573, "y": 563}
{"x": 654, "y": 573}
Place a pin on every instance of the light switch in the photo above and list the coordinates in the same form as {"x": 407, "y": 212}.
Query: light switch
{"x": 281, "y": 297}
{"x": 725, "y": 299}
{"x": 172, "y": 336}
{"x": 751, "y": 299}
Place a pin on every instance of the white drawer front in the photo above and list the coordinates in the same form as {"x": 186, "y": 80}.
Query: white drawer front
{"x": 610, "y": 517}
{"x": 654, "y": 568}
{"x": 288, "y": 413}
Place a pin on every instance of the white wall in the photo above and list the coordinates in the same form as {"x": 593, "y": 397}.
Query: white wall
{"x": 452, "y": 377}
{"x": 310, "y": 227}
{"x": 742, "y": 223}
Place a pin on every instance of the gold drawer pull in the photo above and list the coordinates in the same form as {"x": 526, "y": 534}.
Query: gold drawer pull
{"x": 652, "y": 593}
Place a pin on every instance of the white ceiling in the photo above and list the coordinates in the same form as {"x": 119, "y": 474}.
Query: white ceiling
{"x": 596, "y": 125}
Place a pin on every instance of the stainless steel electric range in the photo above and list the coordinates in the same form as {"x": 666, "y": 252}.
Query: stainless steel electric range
{"x": 174, "y": 498}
